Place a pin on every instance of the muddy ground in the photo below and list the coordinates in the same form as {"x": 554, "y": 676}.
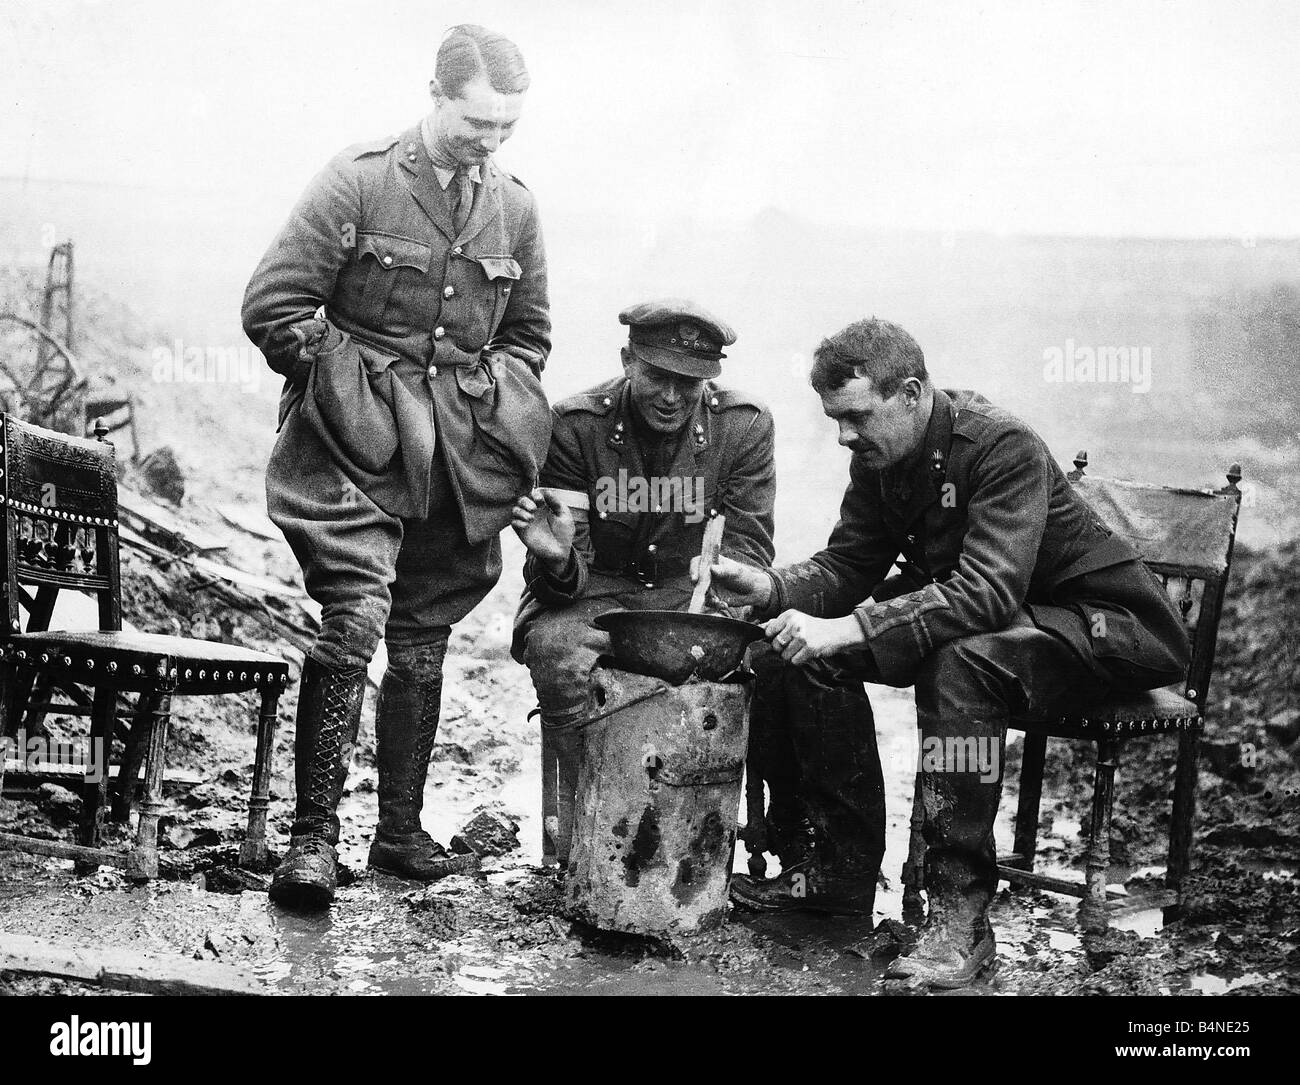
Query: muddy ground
{"x": 502, "y": 930}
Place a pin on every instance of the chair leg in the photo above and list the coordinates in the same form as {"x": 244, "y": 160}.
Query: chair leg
{"x": 142, "y": 863}
{"x": 7, "y": 709}
{"x": 913, "y": 876}
{"x": 24, "y": 680}
{"x": 755, "y": 819}
{"x": 1184, "y": 811}
{"x": 94, "y": 792}
{"x": 132, "y": 761}
{"x": 1031, "y": 794}
{"x": 550, "y": 799}
{"x": 1092, "y": 909}
{"x": 253, "y": 852}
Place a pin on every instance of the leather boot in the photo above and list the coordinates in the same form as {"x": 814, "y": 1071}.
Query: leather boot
{"x": 329, "y": 713}
{"x": 808, "y": 886}
{"x": 841, "y": 787}
{"x": 406, "y": 727}
{"x": 956, "y": 943}
{"x": 564, "y": 741}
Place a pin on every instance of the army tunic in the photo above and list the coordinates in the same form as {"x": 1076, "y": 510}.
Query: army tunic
{"x": 990, "y": 532}
{"x": 623, "y": 556}
{"x": 411, "y": 439}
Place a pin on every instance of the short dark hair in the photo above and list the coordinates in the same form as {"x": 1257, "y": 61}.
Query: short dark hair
{"x": 870, "y": 348}
{"x": 469, "y": 51}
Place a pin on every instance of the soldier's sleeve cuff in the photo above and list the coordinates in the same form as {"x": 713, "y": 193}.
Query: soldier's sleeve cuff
{"x": 566, "y": 583}
{"x": 776, "y": 602}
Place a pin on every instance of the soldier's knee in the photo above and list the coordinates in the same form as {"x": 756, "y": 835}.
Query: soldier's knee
{"x": 411, "y": 661}
{"x": 960, "y": 675}
{"x": 349, "y": 636}
{"x": 558, "y": 654}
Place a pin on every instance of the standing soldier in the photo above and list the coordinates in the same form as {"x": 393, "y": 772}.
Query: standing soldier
{"x": 637, "y": 465}
{"x": 405, "y": 303}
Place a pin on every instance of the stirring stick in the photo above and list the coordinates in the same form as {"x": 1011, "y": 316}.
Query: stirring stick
{"x": 708, "y": 555}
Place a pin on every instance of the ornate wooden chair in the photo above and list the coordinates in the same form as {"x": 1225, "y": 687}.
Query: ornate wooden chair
{"x": 59, "y": 499}
{"x": 1186, "y": 538}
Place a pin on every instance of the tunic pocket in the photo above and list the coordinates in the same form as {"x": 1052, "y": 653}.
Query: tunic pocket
{"x": 387, "y": 259}
{"x": 502, "y": 273}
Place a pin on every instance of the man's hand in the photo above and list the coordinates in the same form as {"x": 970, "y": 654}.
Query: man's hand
{"x": 545, "y": 526}
{"x": 800, "y": 637}
{"x": 736, "y": 583}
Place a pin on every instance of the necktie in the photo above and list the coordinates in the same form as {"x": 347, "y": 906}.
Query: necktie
{"x": 464, "y": 198}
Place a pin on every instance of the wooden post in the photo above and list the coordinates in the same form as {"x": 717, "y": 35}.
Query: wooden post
{"x": 253, "y": 852}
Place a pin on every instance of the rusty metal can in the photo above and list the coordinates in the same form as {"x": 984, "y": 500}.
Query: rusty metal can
{"x": 657, "y": 803}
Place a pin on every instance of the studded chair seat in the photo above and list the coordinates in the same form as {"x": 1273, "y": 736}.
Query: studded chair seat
{"x": 137, "y": 660}
{"x": 1153, "y": 712}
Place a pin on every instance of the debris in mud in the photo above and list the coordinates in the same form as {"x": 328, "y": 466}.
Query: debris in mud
{"x": 63, "y": 806}
{"x": 1229, "y": 893}
{"x": 890, "y": 939}
{"x": 1101, "y": 950}
{"x": 487, "y": 833}
{"x": 164, "y": 475}
{"x": 436, "y": 911}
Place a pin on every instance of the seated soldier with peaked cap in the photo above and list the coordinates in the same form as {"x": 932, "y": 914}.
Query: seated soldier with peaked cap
{"x": 636, "y": 466}
{"x": 1015, "y": 599}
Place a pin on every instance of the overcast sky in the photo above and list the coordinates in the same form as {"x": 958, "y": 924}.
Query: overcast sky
{"x": 1109, "y": 118}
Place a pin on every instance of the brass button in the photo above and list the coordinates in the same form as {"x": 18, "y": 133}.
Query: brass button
{"x": 388, "y": 261}
{"x": 433, "y": 370}
{"x": 456, "y": 250}
{"x": 449, "y": 291}
{"x": 605, "y": 401}
{"x": 439, "y": 332}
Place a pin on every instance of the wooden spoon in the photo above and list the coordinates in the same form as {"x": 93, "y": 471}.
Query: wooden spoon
{"x": 708, "y": 555}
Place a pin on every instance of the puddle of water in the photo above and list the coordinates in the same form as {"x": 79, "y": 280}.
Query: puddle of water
{"x": 1272, "y": 871}
{"x": 481, "y": 980}
{"x": 1062, "y": 941}
{"x": 1066, "y": 828}
{"x": 1146, "y": 922}
{"x": 1210, "y": 984}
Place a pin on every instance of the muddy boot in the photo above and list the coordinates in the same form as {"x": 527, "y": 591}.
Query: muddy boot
{"x": 961, "y": 875}
{"x": 329, "y": 713}
{"x": 956, "y": 943}
{"x": 564, "y": 741}
{"x": 806, "y": 887}
{"x": 406, "y": 726}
